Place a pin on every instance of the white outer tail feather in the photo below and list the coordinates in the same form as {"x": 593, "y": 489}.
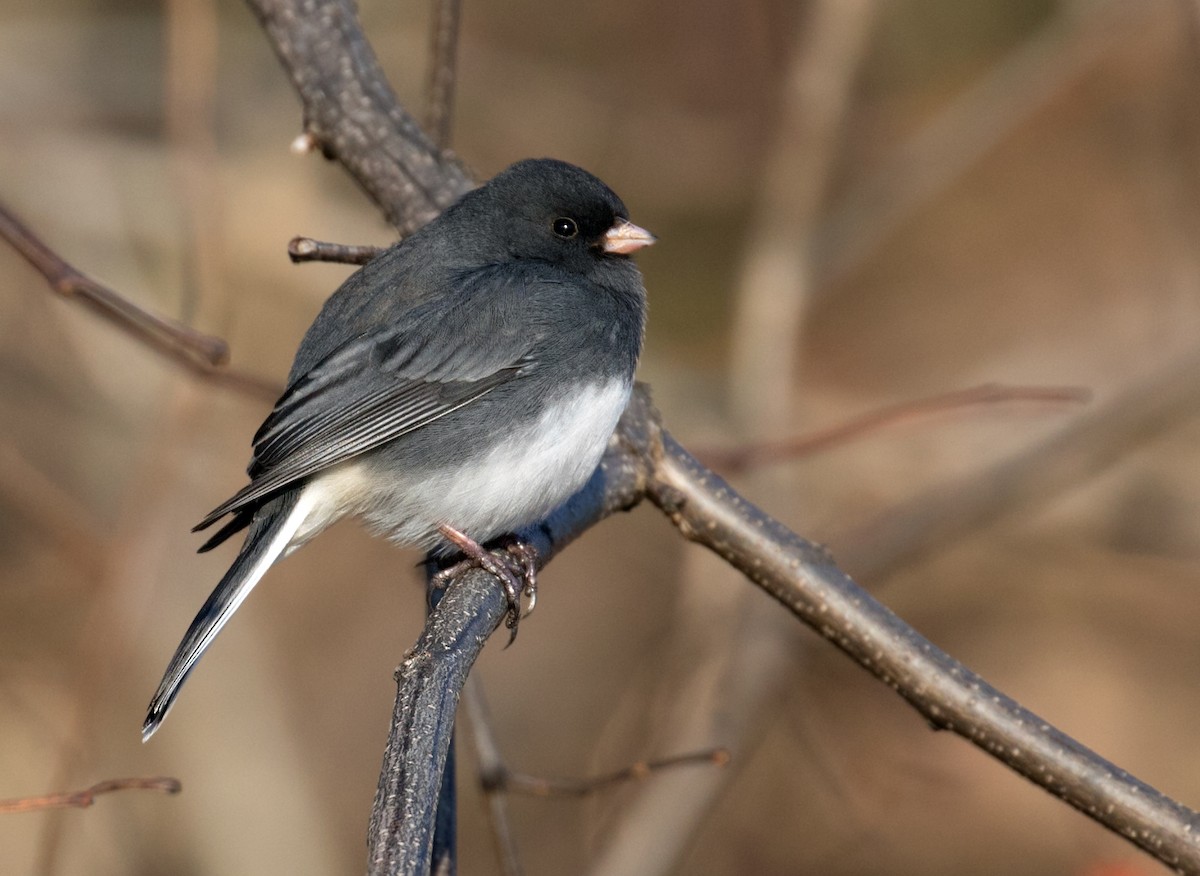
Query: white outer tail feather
{"x": 184, "y": 661}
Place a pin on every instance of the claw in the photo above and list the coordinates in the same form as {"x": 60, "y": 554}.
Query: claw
{"x": 523, "y": 553}
{"x": 514, "y": 581}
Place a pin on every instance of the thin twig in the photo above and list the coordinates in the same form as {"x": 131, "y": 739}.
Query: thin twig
{"x": 86, "y": 797}
{"x": 202, "y": 355}
{"x": 540, "y": 786}
{"x": 948, "y": 513}
{"x": 491, "y": 774}
{"x": 750, "y": 455}
{"x": 443, "y": 72}
{"x": 305, "y": 249}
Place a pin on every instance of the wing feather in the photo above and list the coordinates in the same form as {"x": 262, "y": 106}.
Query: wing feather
{"x": 377, "y": 388}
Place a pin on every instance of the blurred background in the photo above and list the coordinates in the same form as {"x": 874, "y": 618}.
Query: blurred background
{"x": 859, "y": 204}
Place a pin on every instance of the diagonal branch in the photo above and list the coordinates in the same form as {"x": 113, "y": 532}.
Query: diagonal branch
{"x": 351, "y": 113}
{"x": 644, "y": 461}
{"x": 202, "y": 355}
{"x": 804, "y": 579}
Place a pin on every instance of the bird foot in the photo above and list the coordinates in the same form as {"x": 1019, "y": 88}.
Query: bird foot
{"x": 514, "y": 565}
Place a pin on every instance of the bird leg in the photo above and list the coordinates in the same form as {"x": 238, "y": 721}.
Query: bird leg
{"x": 517, "y": 572}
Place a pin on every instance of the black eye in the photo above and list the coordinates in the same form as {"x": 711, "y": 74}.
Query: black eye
{"x": 565, "y": 227}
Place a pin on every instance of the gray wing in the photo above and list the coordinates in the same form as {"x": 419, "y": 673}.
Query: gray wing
{"x": 380, "y": 387}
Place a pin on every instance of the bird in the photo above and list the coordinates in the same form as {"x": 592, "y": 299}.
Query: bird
{"x": 456, "y": 388}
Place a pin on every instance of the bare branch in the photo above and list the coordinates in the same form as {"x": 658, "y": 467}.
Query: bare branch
{"x": 149, "y": 328}
{"x": 645, "y": 461}
{"x": 491, "y": 772}
{"x": 305, "y": 249}
{"x": 949, "y": 512}
{"x": 498, "y": 779}
{"x": 746, "y": 659}
{"x": 352, "y": 114}
{"x": 86, "y": 797}
{"x": 804, "y": 578}
{"x": 202, "y": 355}
{"x": 538, "y": 786}
{"x": 443, "y": 71}
{"x": 749, "y": 455}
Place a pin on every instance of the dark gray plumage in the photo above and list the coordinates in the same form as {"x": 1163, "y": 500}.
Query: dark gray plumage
{"x": 470, "y": 375}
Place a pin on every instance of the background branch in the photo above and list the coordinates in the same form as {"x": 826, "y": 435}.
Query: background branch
{"x": 202, "y": 355}
{"x": 726, "y": 681}
{"x": 86, "y": 797}
{"x": 755, "y": 453}
{"x": 443, "y": 71}
{"x": 1099, "y": 439}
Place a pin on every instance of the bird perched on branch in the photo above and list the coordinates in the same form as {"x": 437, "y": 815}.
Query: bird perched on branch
{"x": 458, "y": 387}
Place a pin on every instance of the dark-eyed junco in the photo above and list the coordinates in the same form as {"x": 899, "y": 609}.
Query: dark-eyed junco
{"x": 456, "y": 388}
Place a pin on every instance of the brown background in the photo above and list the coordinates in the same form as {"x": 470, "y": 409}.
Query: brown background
{"x": 1059, "y": 247}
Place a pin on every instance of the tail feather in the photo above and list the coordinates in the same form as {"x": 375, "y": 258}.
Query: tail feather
{"x": 236, "y": 524}
{"x": 266, "y": 541}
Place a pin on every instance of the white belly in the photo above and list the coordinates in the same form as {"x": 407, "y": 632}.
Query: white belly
{"x": 526, "y": 476}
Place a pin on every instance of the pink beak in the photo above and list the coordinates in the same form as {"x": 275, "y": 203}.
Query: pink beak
{"x": 625, "y": 237}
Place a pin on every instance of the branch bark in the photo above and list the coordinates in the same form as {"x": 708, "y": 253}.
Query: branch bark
{"x": 644, "y": 461}
{"x": 432, "y": 674}
{"x": 351, "y": 113}
{"x": 443, "y": 71}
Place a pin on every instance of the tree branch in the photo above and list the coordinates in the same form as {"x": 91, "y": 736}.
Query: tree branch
{"x": 431, "y": 677}
{"x": 305, "y": 249}
{"x": 755, "y": 453}
{"x": 202, "y": 355}
{"x": 804, "y": 578}
{"x": 351, "y": 113}
{"x": 540, "y": 786}
{"x": 443, "y": 70}
{"x": 646, "y": 462}
{"x": 86, "y": 797}
{"x": 491, "y": 768}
